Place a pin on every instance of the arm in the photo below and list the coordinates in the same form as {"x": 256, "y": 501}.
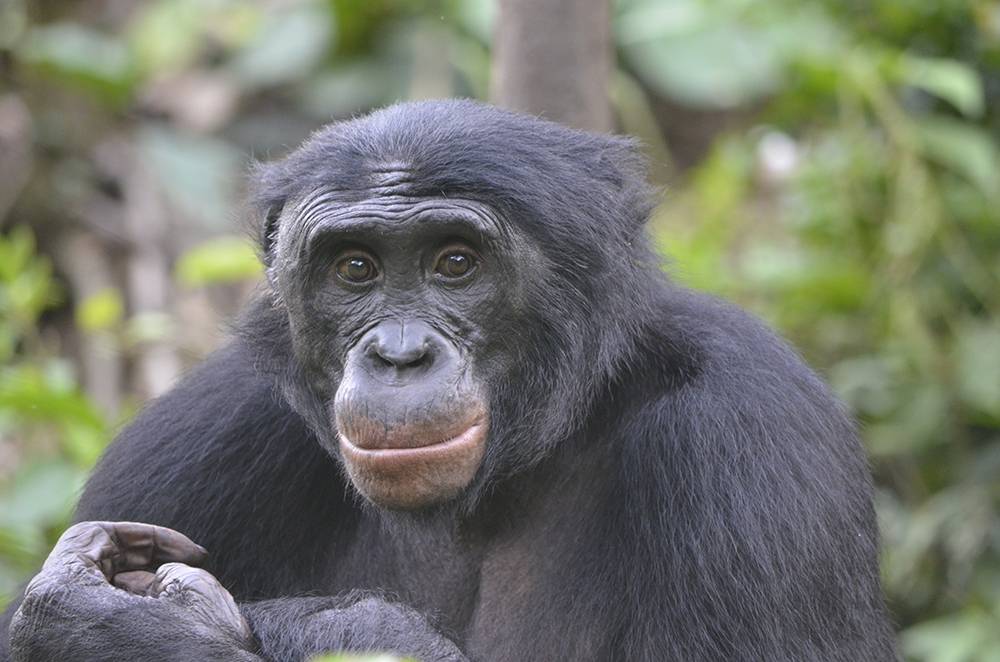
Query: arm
{"x": 124, "y": 591}
{"x": 297, "y": 628}
{"x": 221, "y": 459}
{"x": 765, "y": 545}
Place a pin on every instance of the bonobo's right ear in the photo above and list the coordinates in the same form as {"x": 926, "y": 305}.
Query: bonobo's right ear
{"x": 269, "y": 231}
{"x": 268, "y": 195}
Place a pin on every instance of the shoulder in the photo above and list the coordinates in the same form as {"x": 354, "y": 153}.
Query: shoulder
{"x": 224, "y": 460}
{"x": 218, "y": 424}
{"x": 713, "y": 379}
{"x": 724, "y": 350}
{"x": 221, "y": 398}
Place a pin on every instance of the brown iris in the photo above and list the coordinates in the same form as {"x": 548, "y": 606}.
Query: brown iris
{"x": 455, "y": 264}
{"x": 357, "y": 269}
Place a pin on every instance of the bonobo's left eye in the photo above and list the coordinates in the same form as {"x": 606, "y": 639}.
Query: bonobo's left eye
{"x": 455, "y": 262}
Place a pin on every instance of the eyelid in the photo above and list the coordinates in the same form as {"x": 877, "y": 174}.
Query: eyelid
{"x": 355, "y": 251}
{"x": 456, "y": 246}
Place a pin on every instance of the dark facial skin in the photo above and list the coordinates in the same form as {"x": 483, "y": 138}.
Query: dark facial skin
{"x": 392, "y": 295}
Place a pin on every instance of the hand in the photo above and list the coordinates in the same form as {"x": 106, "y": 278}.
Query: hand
{"x": 124, "y": 590}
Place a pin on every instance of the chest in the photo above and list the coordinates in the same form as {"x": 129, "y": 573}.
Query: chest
{"x": 545, "y": 584}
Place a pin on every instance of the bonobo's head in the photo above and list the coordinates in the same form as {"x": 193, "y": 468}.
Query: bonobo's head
{"x": 451, "y": 286}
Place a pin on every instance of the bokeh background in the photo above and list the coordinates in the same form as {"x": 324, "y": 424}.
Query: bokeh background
{"x": 832, "y": 165}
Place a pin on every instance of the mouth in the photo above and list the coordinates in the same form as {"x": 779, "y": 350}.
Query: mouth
{"x": 414, "y": 451}
{"x": 414, "y": 464}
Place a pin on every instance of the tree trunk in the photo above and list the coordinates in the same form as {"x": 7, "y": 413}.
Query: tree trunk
{"x": 553, "y": 58}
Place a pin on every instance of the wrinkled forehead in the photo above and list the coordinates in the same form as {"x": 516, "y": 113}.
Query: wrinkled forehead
{"x": 386, "y": 210}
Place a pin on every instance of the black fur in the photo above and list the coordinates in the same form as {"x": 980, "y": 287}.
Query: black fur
{"x": 664, "y": 480}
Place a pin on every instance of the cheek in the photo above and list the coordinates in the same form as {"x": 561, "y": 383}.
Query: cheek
{"x": 326, "y": 326}
{"x": 496, "y": 329}
{"x": 473, "y": 318}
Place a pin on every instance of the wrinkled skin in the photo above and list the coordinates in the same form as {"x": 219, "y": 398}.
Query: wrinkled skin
{"x": 102, "y": 568}
{"x": 470, "y": 418}
{"x": 133, "y": 582}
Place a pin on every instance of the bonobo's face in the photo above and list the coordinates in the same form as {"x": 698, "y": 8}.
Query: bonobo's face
{"x": 388, "y": 300}
{"x": 453, "y": 286}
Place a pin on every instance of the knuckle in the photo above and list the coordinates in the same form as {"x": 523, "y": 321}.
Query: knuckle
{"x": 77, "y": 532}
{"x": 40, "y": 586}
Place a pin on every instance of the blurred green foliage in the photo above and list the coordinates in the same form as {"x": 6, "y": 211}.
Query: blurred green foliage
{"x": 850, "y": 195}
{"x": 41, "y": 405}
{"x": 861, "y": 215}
{"x": 220, "y": 260}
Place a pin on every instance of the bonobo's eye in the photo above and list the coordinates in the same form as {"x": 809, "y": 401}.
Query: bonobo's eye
{"x": 357, "y": 267}
{"x": 455, "y": 262}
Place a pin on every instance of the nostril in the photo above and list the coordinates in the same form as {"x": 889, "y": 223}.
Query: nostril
{"x": 403, "y": 361}
{"x": 423, "y": 360}
{"x": 388, "y": 352}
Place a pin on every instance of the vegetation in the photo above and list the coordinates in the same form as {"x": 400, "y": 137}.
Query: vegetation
{"x": 832, "y": 165}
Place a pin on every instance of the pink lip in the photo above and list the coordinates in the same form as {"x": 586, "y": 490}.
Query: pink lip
{"x": 396, "y": 457}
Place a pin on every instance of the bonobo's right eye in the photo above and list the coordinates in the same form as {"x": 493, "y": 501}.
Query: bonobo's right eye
{"x": 357, "y": 267}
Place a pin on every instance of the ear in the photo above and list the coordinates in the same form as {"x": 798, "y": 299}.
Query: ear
{"x": 268, "y": 195}
{"x": 269, "y": 231}
{"x": 622, "y": 165}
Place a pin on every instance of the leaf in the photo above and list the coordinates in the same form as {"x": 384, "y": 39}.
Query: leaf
{"x": 717, "y": 67}
{"x": 965, "y": 149}
{"x": 81, "y": 55}
{"x": 648, "y": 21}
{"x": 83, "y": 444}
{"x": 222, "y": 260}
{"x": 977, "y": 364}
{"x": 287, "y": 47}
{"x": 951, "y": 80}
{"x": 27, "y": 287}
{"x": 42, "y": 494}
{"x": 477, "y": 17}
{"x": 148, "y": 327}
{"x": 45, "y": 396}
{"x": 16, "y": 547}
{"x": 867, "y": 383}
{"x": 968, "y": 636}
{"x": 101, "y": 311}
{"x": 198, "y": 173}
{"x": 347, "y": 89}
{"x": 165, "y": 35}
{"x": 17, "y": 250}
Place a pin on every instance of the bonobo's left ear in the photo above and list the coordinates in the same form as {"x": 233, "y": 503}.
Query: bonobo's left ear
{"x": 622, "y": 165}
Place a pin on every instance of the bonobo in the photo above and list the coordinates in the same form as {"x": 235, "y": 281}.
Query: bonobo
{"x": 470, "y": 418}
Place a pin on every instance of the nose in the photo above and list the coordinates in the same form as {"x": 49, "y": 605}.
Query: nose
{"x": 401, "y": 347}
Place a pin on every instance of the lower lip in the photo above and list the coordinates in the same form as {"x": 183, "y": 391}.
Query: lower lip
{"x": 399, "y": 457}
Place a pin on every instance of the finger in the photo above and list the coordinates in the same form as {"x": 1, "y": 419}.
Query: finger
{"x": 137, "y": 582}
{"x": 145, "y": 546}
{"x": 114, "y": 547}
{"x": 201, "y": 592}
{"x": 83, "y": 545}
